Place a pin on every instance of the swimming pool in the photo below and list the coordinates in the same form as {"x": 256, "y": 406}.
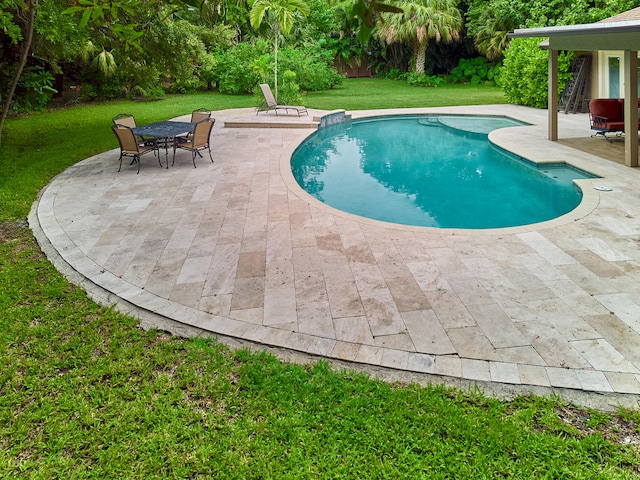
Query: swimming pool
{"x": 432, "y": 170}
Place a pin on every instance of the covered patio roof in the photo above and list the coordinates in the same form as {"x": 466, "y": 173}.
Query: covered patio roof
{"x": 621, "y": 32}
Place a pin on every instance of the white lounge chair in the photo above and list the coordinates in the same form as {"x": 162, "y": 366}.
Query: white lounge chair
{"x": 271, "y": 104}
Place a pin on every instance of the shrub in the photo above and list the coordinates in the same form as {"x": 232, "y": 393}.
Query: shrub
{"x": 313, "y": 67}
{"x": 34, "y": 89}
{"x": 423, "y": 79}
{"x": 289, "y": 90}
{"x": 475, "y": 71}
{"x": 233, "y": 69}
{"x": 524, "y": 74}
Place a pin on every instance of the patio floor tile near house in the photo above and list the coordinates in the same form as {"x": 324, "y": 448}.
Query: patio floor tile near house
{"x": 236, "y": 249}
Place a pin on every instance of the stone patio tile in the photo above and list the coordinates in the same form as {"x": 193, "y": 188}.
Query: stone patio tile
{"x": 603, "y": 250}
{"x": 577, "y": 300}
{"x": 221, "y": 277}
{"x": 587, "y": 280}
{"x": 446, "y": 260}
{"x": 345, "y": 351}
{"x": 540, "y": 267}
{"x": 353, "y": 329}
{"x": 593, "y": 381}
{"x": 401, "y": 341}
{"x": 420, "y": 362}
{"x": 379, "y": 306}
{"x": 497, "y": 326}
{"x": 391, "y": 264}
{"x": 450, "y": 366}
{"x": 525, "y": 355}
{"x": 622, "y": 307}
{"x": 187, "y": 294}
{"x": 369, "y": 354}
{"x": 251, "y": 264}
{"x": 314, "y": 318}
{"x": 546, "y": 249}
{"x": 277, "y": 337}
{"x": 602, "y": 356}
{"x": 533, "y": 375}
{"x": 563, "y": 378}
{"x": 344, "y": 299}
{"x": 624, "y": 382}
{"x": 469, "y": 289}
{"x": 504, "y": 372}
{"x": 475, "y": 370}
{"x": 216, "y": 304}
{"x": 618, "y": 334}
{"x": 306, "y": 259}
{"x": 490, "y": 276}
{"x": 279, "y": 304}
{"x": 336, "y": 269}
{"x": 317, "y": 345}
{"x": 570, "y": 325}
{"x": 394, "y": 359}
{"x": 596, "y": 263}
{"x": 551, "y": 346}
{"x": 407, "y": 294}
{"x": 428, "y": 276}
{"x": 194, "y": 269}
{"x": 449, "y": 309}
{"x": 253, "y": 316}
{"x": 427, "y": 334}
{"x": 248, "y": 293}
{"x": 470, "y": 342}
{"x": 527, "y": 287}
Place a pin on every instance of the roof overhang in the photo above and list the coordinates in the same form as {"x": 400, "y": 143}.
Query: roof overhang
{"x": 589, "y": 37}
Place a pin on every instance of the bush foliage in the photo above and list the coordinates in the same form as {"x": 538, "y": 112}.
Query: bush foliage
{"x": 524, "y": 75}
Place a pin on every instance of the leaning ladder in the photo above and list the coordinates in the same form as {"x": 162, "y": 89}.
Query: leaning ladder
{"x": 574, "y": 93}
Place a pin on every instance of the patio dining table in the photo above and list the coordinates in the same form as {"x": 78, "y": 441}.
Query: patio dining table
{"x": 164, "y": 133}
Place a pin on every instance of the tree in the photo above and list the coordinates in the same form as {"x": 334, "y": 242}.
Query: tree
{"x": 29, "y": 8}
{"x": 421, "y": 21}
{"x": 284, "y": 11}
{"x": 489, "y": 23}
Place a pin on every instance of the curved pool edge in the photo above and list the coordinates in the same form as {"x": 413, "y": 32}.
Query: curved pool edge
{"x": 590, "y": 197}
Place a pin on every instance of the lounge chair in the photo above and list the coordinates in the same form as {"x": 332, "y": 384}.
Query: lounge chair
{"x": 130, "y": 146}
{"x": 200, "y": 140}
{"x": 271, "y": 104}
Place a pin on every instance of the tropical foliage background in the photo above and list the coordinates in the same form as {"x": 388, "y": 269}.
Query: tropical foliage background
{"x": 83, "y": 50}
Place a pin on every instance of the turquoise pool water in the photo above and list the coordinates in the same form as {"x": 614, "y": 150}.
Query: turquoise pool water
{"x": 432, "y": 170}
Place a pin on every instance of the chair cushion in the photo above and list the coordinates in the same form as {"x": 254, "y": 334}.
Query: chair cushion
{"x": 610, "y": 108}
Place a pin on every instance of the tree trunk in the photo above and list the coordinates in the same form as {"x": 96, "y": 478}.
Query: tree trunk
{"x": 32, "y": 5}
{"x": 275, "y": 68}
{"x": 421, "y": 52}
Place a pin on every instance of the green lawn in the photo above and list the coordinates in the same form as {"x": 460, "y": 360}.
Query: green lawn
{"x": 84, "y": 393}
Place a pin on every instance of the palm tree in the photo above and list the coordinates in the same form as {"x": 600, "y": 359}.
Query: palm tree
{"x": 491, "y": 29}
{"x": 421, "y": 21}
{"x": 284, "y": 11}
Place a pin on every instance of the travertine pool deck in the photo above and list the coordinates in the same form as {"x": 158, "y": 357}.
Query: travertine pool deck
{"x": 235, "y": 248}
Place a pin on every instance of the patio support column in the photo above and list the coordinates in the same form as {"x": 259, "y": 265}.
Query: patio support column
{"x": 631, "y": 108}
{"x": 553, "y": 95}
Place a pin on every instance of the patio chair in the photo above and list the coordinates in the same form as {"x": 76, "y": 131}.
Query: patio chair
{"x": 125, "y": 119}
{"x": 196, "y": 116}
{"x": 130, "y": 146}
{"x": 128, "y": 120}
{"x": 271, "y": 104}
{"x": 198, "y": 141}
{"x": 200, "y": 114}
